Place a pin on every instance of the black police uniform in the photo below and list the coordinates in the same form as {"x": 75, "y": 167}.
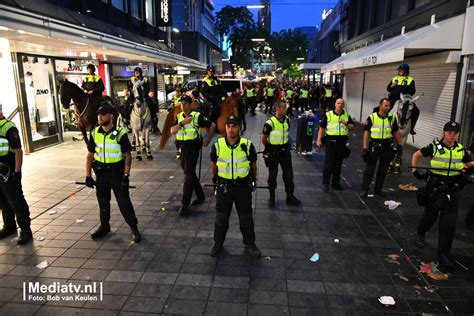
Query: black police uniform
{"x": 90, "y": 84}
{"x": 189, "y": 157}
{"x": 334, "y": 152}
{"x": 109, "y": 177}
{"x": 145, "y": 81}
{"x": 214, "y": 94}
{"x": 12, "y": 200}
{"x": 437, "y": 189}
{"x": 381, "y": 150}
{"x": 234, "y": 191}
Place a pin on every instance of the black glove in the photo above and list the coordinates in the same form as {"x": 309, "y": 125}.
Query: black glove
{"x": 399, "y": 150}
{"x": 16, "y": 177}
{"x": 253, "y": 184}
{"x": 419, "y": 176}
{"x": 214, "y": 179}
{"x": 469, "y": 170}
{"x": 365, "y": 155}
{"x": 125, "y": 181}
{"x": 90, "y": 182}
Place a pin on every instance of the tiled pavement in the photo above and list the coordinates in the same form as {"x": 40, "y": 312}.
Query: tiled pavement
{"x": 170, "y": 271}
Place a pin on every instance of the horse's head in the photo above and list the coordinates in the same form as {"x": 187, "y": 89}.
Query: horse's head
{"x": 404, "y": 108}
{"x": 65, "y": 92}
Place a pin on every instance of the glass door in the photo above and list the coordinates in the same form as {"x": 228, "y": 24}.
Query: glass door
{"x": 468, "y": 124}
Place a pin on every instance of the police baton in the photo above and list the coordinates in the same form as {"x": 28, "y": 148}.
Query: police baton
{"x": 83, "y": 183}
{"x": 437, "y": 169}
{"x": 215, "y": 185}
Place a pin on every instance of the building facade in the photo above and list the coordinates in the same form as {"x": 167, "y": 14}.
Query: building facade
{"x": 265, "y": 17}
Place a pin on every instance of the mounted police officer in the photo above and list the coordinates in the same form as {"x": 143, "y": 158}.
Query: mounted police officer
{"x": 381, "y": 141}
{"x": 336, "y": 125}
{"x": 275, "y": 138}
{"x": 403, "y": 83}
{"x": 234, "y": 169}
{"x": 12, "y": 200}
{"x": 93, "y": 85}
{"x": 187, "y": 128}
{"x": 213, "y": 91}
{"x": 144, "y": 84}
{"x": 445, "y": 182}
{"x": 109, "y": 156}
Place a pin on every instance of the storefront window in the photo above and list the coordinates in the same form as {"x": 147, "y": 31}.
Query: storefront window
{"x": 120, "y": 4}
{"x": 136, "y": 8}
{"x": 150, "y": 11}
{"x": 468, "y": 124}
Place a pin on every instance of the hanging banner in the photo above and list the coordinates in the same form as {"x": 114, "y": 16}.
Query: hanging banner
{"x": 164, "y": 13}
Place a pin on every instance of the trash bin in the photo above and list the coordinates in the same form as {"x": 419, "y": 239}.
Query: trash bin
{"x": 307, "y": 128}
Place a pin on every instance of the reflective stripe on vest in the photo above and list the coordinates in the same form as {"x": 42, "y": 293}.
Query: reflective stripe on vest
{"x": 210, "y": 81}
{"x": 403, "y": 80}
{"x": 189, "y": 131}
{"x": 381, "y": 128}
{"x": 328, "y": 92}
{"x": 304, "y": 94}
{"x": 270, "y": 92}
{"x": 280, "y": 131}
{"x": 335, "y": 128}
{"x": 289, "y": 93}
{"x": 5, "y": 148}
{"x": 250, "y": 93}
{"x": 91, "y": 78}
{"x": 451, "y": 160}
{"x": 108, "y": 150}
{"x": 231, "y": 163}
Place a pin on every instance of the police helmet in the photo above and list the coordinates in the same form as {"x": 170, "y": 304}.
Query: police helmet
{"x": 90, "y": 66}
{"x": 404, "y": 67}
{"x": 138, "y": 69}
{"x": 211, "y": 68}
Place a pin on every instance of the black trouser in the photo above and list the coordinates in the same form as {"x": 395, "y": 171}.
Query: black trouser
{"x": 378, "y": 153}
{"x": 333, "y": 159}
{"x": 252, "y": 104}
{"x": 109, "y": 179}
{"x": 303, "y": 104}
{"x": 215, "y": 110}
{"x": 269, "y": 103}
{"x": 189, "y": 157}
{"x": 242, "y": 197}
{"x": 282, "y": 158}
{"x": 13, "y": 203}
{"x": 448, "y": 210}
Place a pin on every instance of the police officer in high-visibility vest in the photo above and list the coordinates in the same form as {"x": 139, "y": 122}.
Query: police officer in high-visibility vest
{"x": 289, "y": 97}
{"x": 93, "y": 85}
{"x": 335, "y": 125}
{"x": 445, "y": 182}
{"x": 144, "y": 83}
{"x": 381, "y": 141}
{"x": 403, "y": 83}
{"x": 269, "y": 95}
{"x": 213, "y": 91}
{"x": 304, "y": 99}
{"x": 187, "y": 128}
{"x": 251, "y": 99}
{"x": 327, "y": 97}
{"x": 275, "y": 138}
{"x": 12, "y": 200}
{"x": 234, "y": 169}
{"x": 109, "y": 156}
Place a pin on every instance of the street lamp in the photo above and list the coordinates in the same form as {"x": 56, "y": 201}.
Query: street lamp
{"x": 257, "y": 39}
{"x": 300, "y": 58}
{"x": 175, "y": 30}
{"x": 255, "y": 6}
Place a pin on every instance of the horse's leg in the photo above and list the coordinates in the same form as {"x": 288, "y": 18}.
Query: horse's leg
{"x": 84, "y": 135}
{"x": 136, "y": 133}
{"x": 146, "y": 131}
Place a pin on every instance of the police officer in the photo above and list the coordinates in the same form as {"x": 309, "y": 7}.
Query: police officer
{"x": 93, "y": 85}
{"x": 213, "y": 91}
{"x": 403, "y": 83}
{"x": 154, "y": 111}
{"x": 12, "y": 200}
{"x": 109, "y": 156}
{"x": 251, "y": 99}
{"x": 144, "y": 83}
{"x": 289, "y": 97}
{"x": 326, "y": 97}
{"x": 304, "y": 98}
{"x": 444, "y": 184}
{"x": 269, "y": 94}
{"x": 187, "y": 129}
{"x": 336, "y": 125}
{"x": 380, "y": 137}
{"x": 234, "y": 169}
{"x": 275, "y": 138}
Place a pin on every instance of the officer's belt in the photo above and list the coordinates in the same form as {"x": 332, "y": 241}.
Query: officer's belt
{"x": 239, "y": 182}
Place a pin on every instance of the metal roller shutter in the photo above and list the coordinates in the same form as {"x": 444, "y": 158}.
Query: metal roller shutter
{"x": 353, "y": 84}
{"x": 376, "y": 80}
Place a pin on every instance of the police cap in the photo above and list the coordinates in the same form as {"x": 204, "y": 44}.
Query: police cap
{"x": 452, "y": 126}
{"x": 186, "y": 98}
{"x": 106, "y": 108}
{"x": 232, "y": 119}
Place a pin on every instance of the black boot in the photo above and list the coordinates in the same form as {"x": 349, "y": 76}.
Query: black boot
{"x": 198, "y": 200}
{"x": 7, "y": 231}
{"x": 136, "y": 234}
{"x": 292, "y": 200}
{"x": 271, "y": 200}
{"x": 445, "y": 262}
{"x": 252, "y": 251}
{"x": 100, "y": 232}
{"x": 183, "y": 211}
{"x": 380, "y": 193}
{"x": 337, "y": 186}
{"x": 216, "y": 250}
{"x": 25, "y": 237}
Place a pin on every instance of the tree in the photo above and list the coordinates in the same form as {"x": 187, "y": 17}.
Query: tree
{"x": 238, "y": 25}
{"x": 288, "y": 45}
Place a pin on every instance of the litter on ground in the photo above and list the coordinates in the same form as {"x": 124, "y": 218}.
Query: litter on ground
{"x": 315, "y": 257}
{"x": 42, "y": 264}
{"x": 387, "y": 300}
{"x": 80, "y": 220}
{"x": 408, "y": 187}
{"x": 52, "y": 212}
{"x": 392, "y": 204}
{"x": 39, "y": 238}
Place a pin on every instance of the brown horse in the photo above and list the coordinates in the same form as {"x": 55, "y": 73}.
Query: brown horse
{"x": 228, "y": 107}
{"x": 84, "y": 108}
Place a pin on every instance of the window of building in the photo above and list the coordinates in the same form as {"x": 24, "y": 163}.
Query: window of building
{"x": 136, "y": 8}
{"x": 419, "y": 3}
{"x": 150, "y": 11}
{"x": 120, "y": 4}
{"x": 399, "y": 8}
{"x": 380, "y": 7}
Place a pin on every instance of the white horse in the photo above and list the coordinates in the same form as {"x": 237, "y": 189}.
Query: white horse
{"x": 140, "y": 122}
{"x": 403, "y": 111}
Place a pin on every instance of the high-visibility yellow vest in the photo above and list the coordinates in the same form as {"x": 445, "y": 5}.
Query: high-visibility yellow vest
{"x": 107, "y": 146}
{"x": 210, "y": 81}
{"x": 334, "y": 128}
{"x": 270, "y": 92}
{"x": 403, "y": 80}
{"x": 92, "y": 78}
{"x": 5, "y": 126}
{"x": 191, "y": 130}
{"x": 450, "y": 159}
{"x": 304, "y": 94}
{"x": 176, "y": 100}
{"x": 233, "y": 163}
{"x": 250, "y": 93}
{"x": 328, "y": 92}
{"x": 134, "y": 79}
{"x": 381, "y": 128}
{"x": 280, "y": 131}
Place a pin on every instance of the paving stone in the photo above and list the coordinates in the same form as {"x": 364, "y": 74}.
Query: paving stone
{"x": 124, "y": 276}
{"x": 189, "y": 292}
{"x": 194, "y": 280}
{"x": 229, "y": 295}
{"x": 259, "y": 309}
{"x": 159, "y": 278}
{"x": 144, "y": 304}
{"x": 268, "y": 297}
{"x": 305, "y": 286}
{"x": 177, "y": 306}
{"x": 231, "y": 282}
{"x": 220, "y": 308}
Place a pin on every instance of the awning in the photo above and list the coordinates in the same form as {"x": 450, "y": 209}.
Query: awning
{"x": 42, "y": 34}
{"x": 445, "y": 35}
{"x": 310, "y": 66}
